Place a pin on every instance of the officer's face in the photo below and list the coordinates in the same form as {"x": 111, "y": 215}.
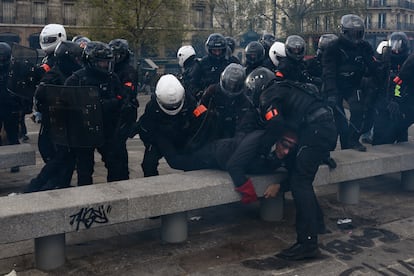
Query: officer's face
{"x": 216, "y": 52}
{"x": 284, "y": 147}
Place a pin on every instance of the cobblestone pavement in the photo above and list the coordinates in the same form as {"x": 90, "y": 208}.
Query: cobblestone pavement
{"x": 231, "y": 240}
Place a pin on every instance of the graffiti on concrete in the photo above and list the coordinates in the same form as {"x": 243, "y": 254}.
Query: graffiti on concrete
{"x": 88, "y": 216}
{"x": 355, "y": 244}
{"x": 400, "y": 268}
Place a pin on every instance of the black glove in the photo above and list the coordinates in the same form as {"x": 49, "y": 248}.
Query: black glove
{"x": 394, "y": 109}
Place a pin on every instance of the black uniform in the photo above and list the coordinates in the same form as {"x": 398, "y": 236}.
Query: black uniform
{"x": 186, "y": 77}
{"x": 385, "y": 127}
{"x": 113, "y": 102}
{"x": 394, "y": 124}
{"x": 344, "y": 65}
{"x": 207, "y": 72}
{"x": 9, "y": 110}
{"x": 129, "y": 80}
{"x": 154, "y": 123}
{"x": 298, "y": 107}
{"x": 224, "y": 114}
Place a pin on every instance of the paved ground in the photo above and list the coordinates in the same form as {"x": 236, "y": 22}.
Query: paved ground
{"x": 231, "y": 240}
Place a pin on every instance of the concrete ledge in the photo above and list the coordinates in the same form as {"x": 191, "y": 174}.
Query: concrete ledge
{"x": 35, "y": 215}
{"x": 379, "y": 160}
{"x": 17, "y": 155}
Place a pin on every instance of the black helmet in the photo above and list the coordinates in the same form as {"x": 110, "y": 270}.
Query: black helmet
{"x": 255, "y": 53}
{"x": 399, "y": 43}
{"x": 231, "y": 43}
{"x": 98, "y": 57}
{"x": 295, "y": 47}
{"x": 267, "y": 41}
{"x": 216, "y": 41}
{"x": 352, "y": 28}
{"x": 68, "y": 56}
{"x": 5, "y": 57}
{"x": 257, "y": 81}
{"x": 120, "y": 48}
{"x": 232, "y": 80}
{"x": 324, "y": 41}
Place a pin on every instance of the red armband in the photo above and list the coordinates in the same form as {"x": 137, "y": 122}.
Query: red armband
{"x": 271, "y": 114}
{"x": 397, "y": 80}
{"x": 199, "y": 110}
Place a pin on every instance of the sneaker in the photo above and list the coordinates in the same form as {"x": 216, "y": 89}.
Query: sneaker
{"x": 299, "y": 251}
{"x": 15, "y": 169}
{"x": 358, "y": 146}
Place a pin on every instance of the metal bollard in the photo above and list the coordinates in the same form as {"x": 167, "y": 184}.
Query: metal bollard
{"x": 348, "y": 192}
{"x": 50, "y": 252}
{"x": 407, "y": 180}
{"x": 174, "y": 227}
{"x": 271, "y": 209}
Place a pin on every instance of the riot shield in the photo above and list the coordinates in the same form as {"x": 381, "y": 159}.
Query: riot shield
{"x": 23, "y": 79}
{"x": 75, "y": 115}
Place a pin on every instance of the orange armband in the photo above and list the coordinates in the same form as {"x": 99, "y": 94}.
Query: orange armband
{"x": 271, "y": 114}
{"x": 199, "y": 110}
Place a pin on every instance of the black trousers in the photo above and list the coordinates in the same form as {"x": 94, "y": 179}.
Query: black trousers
{"x": 316, "y": 140}
{"x": 56, "y": 173}
{"x": 10, "y": 121}
{"x": 389, "y": 130}
{"x": 114, "y": 156}
{"x": 350, "y": 132}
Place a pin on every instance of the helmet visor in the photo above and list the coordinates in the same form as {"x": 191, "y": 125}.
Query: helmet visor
{"x": 354, "y": 35}
{"x": 396, "y": 46}
{"x": 171, "y": 106}
{"x": 49, "y": 39}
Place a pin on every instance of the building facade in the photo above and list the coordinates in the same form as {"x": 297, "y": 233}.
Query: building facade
{"x": 21, "y": 21}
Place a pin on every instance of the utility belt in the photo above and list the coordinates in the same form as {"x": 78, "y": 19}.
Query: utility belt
{"x": 320, "y": 114}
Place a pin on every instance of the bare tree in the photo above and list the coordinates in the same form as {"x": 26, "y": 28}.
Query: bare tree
{"x": 301, "y": 15}
{"x": 234, "y": 17}
{"x": 148, "y": 25}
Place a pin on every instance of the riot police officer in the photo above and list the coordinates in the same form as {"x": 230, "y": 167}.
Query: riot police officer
{"x": 58, "y": 170}
{"x": 98, "y": 61}
{"x": 298, "y": 107}
{"x": 391, "y": 56}
{"x": 168, "y": 114}
{"x": 187, "y": 59}
{"x": 208, "y": 70}
{"x": 293, "y": 67}
{"x": 314, "y": 64}
{"x": 344, "y": 63}
{"x": 267, "y": 40}
{"x": 225, "y": 104}
{"x": 255, "y": 55}
{"x": 231, "y": 46}
{"x": 49, "y": 38}
{"x": 9, "y": 103}
{"x": 276, "y": 53}
{"x": 67, "y": 56}
{"x": 128, "y": 76}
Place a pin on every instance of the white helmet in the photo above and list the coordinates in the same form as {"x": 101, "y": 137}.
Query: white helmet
{"x": 50, "y": 36}
{"x": 184, "y": 53}
{"x": 170, "y": 94}
{"x": 277, "y": 50}
{"x": 381, "y": 46}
